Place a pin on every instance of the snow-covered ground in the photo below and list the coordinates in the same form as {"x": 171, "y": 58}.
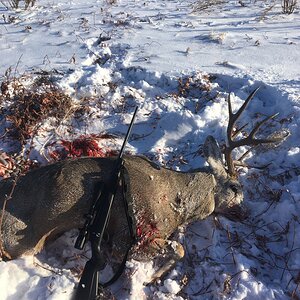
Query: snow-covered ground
{"x": 178, "y": 62}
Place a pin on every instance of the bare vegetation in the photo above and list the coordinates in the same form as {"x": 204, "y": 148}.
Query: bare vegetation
{"x": 288, "y": 6}
{"x": 16, "y": 3}
{"x": 27, "y": 106}
{"x": 206, "y": 4}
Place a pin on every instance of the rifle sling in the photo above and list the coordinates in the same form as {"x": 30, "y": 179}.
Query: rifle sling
{"x": 131, "y": 231}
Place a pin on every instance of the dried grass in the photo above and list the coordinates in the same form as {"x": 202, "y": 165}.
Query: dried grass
{"x": 206, "y": 4}
{"x": 15, "y": 4}
{"x": 26, "y": 107}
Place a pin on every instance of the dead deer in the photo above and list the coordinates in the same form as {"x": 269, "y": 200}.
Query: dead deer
{"x": 53, "y": 199}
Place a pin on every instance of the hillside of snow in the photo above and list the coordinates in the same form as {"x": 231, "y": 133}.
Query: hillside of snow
{"x": 178, "y": 61}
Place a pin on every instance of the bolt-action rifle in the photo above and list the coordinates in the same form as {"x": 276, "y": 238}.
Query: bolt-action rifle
{"x": 94, "y": 227}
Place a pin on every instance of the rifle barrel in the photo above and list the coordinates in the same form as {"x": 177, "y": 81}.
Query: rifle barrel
{"x": 128, "y": 133}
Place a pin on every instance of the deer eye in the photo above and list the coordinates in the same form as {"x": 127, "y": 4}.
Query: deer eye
{"x": 234, "y": 188}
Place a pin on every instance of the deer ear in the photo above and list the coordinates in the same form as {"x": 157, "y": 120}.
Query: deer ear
{"x": 213, "y": 156}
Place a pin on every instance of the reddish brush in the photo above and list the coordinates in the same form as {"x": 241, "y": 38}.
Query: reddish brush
{"x": 13, "y": 166}
{"x": 6, "y": 165}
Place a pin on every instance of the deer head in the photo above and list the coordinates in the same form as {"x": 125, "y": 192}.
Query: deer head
{"x": 228, "y": 191}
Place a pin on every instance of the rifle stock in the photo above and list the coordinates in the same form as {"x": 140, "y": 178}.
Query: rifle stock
{"x": 88, "y": 286}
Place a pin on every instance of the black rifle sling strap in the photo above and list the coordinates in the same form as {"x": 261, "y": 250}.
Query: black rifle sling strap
{"x": 131, "y": 232}
{"x": 131, "y": 228}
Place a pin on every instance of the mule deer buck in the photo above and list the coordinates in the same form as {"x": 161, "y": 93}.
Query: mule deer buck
{"x": 53, "y": 199}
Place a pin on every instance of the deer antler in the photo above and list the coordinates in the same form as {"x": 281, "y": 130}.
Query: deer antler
{"x": 247, "y": 141}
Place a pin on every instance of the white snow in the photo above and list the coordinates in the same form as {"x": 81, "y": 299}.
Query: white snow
{"x": 124, "y": 53}
{"x": 172, "y": 286}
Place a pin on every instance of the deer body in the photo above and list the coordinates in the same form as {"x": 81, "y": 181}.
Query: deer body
{"x": 53, "y": 199}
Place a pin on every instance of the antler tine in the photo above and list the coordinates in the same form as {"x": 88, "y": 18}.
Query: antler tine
{"x": 233, "y": 117}
{"x": 242, "y": 108}
{"x": 229, "y": 106}
{"x": 252, "y": 138}
{"x": 231, "y": 120}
